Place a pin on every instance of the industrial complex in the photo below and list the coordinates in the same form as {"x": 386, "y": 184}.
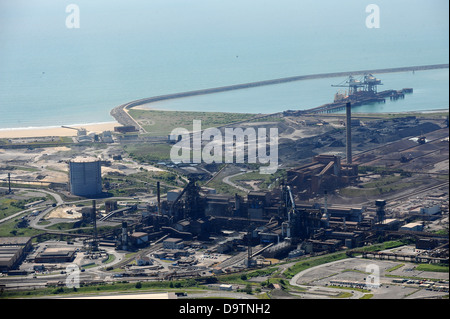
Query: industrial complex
{"x": 346, "y": 183}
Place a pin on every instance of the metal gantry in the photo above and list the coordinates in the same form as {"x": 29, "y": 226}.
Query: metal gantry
{"x": 368, "y": 83}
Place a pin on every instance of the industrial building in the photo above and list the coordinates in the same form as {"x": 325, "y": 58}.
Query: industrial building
{"x": 125, "y": 129}
{"x": 276, "y": 218}
{"x": 415, "y": 226}
{"x": 12, "y": 251}
{"x": 139, "y": 239}
{"x": 55, "y": 255}
{"x": 173, "y": 243}
{"x": 284, "y": 220}
{"x": 85, "y": 177}
{"x": 324, "y": 173}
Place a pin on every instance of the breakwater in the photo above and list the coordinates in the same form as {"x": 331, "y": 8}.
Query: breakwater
{"x": 121, "y": 116}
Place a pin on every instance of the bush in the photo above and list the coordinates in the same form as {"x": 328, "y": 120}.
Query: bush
{"x": 248, "y": 289}
{"x": 58, "y": 290}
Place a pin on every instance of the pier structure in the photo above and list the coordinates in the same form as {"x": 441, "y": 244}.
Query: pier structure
{"x": 357, "y": 99}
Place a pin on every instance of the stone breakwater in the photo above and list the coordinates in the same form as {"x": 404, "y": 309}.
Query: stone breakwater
{"x": 121, "y": 116}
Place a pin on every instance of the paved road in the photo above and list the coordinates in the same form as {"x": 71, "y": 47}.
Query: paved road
{"x": 226, "y": 180}
{"x": 46, "y": 209}
{"x": 56, "y": 196}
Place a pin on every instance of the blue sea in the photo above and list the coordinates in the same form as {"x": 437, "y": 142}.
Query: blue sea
{"x": 52, "y": 75}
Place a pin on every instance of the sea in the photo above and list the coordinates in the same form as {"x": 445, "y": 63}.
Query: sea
{"x": 67, "y": 62}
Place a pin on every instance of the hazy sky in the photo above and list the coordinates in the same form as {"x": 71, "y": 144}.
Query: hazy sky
{"x": 227, "y": 17}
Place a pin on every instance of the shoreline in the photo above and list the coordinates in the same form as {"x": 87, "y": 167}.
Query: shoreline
{"x": 122, "y": 118}
{"x": 45, "y": 131}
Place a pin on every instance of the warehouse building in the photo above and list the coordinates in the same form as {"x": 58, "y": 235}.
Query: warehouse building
{"x": 416, "y": 226}
{"x": 12, "y": 251}
{"x": 173, "y": 243}
{"x": 139, "y": 239}
{"x": 55, "y": 255}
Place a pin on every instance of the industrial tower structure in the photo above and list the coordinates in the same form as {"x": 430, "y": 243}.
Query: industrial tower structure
{"x": 368, "y": 83}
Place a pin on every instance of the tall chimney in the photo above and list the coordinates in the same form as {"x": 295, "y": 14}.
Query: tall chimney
{"x": 348, "y": 109}
{"x": 9, "y": 183}
{"x": 94, "y": 220}
{"x": 237, "y": 203}
{"x": 124, "y": 235}
{"x": 158, "y": 191}
{"x": 326, "y": 216}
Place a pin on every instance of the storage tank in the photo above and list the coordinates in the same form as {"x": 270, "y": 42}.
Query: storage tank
{"x": 85, "y": 177}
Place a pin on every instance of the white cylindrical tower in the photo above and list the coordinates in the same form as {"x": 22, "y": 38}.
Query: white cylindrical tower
{"x": 85, "y": 176}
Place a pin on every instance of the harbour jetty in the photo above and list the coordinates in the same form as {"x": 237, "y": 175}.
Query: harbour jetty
{"x": 121, "y": 116}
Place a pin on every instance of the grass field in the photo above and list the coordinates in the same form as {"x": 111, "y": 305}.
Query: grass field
{"x": 264, "y": 181}
{"x": 433, "y": 267}
{"x": 150, "y": 153}
{"x": 161, "y": 123}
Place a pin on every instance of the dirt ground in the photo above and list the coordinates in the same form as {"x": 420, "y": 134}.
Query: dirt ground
{"x": 69, "y": 212}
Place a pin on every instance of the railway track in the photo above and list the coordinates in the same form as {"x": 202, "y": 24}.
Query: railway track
{"x": 418, "y": 191}
{"x": 358, "y": 156}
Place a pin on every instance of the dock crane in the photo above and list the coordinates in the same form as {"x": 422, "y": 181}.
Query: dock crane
{"x": 352, "y": 83}
{"x": 368, "y": 83}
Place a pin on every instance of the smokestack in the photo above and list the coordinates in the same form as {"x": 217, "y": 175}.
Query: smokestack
{"x": 124, "y": 235}
{"x": 325, "y": 220}
{"x": 348, "y": 109}
{"x": 9, "y": 183}
{"x": 158, "y": 192}
{"x": 326, "y": 216}
{"x": 237, "y": 203}
{"x": 94, "y": 219}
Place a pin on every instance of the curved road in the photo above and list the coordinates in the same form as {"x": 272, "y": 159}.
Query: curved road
{"x": 310, "y": 289}
{"x": 226, "y": 180}
{"x": 57, "y": 197}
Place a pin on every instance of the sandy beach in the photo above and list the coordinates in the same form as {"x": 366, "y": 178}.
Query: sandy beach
{"x": 109, "y": 126}
{"x": 56, "y": 131}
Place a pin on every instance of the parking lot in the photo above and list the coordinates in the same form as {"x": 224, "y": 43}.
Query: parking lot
{"x": 385, "y": 279}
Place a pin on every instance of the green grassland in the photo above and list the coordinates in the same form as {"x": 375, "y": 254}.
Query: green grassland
{"x": 161, "y": 123}
{"x": 265, "y": 181}
{"x": 144, "y": 181}
{"x": 433, "y": 267}
{"x": 149, "y": 152}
